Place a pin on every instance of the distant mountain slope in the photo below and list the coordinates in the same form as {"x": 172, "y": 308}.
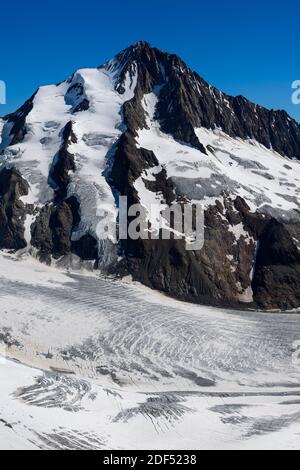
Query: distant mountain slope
{"x": 145, "y": 126}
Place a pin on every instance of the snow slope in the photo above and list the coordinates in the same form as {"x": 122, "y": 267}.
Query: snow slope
{"x": 144, "y": 371}
{"x": 268, "y": 181}
{"x": 96, "y": 129}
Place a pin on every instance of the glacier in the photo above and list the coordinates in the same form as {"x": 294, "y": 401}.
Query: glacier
{"x": 97, "y": 363}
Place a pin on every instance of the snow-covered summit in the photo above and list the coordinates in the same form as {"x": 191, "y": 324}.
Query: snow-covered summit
{"x": 146, "y": 126}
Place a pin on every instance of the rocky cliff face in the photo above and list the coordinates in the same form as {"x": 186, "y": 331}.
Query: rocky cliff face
{"x": 145, "y": 126}
{"x": 188, "y": 102}
{"x": 12, "y": 209}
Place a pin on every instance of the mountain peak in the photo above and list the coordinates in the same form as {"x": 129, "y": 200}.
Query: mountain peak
{"x": 142, "y": 52}
{"x": 146, "y": 127}
{"x": 186, "y": 102}
{"x": 141, "y": 45}
{"x": 136, "y": 52}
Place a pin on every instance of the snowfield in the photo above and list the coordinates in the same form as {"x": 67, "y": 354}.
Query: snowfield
{"x": 91, "y": 362}
{"x": 96, "y": 130}
{"x": 266, "y": 180}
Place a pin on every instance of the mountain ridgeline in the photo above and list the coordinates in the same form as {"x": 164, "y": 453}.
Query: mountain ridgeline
{"x": 145, "y": 126}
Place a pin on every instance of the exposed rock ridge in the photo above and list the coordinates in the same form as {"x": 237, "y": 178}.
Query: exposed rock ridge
{"x": 187, "y": 102}
{"x": 12, "y": 210}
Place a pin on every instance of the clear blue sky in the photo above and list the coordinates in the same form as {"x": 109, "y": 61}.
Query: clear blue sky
{"x": 251, "y": 49}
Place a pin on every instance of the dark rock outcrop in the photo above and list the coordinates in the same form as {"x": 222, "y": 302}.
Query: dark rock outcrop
{"x": 51, "y": 233}
{"x": 18, "y": 121}
{"x": 276, "y": 282}
{"x": 12, "y": 209}
{"x": 219, "y": 274}
{"x": 86, "y": 248}
{"x": 41, "y": 236}
{"x": 52, "y": 230}
{"x": 76, "y": 98}
{"x": 129, "y": 162}
{"x": 63, "y": 162}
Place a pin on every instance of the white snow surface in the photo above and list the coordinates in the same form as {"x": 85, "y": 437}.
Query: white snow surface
{"x": 96, "y": 129}
{"x": 268, "y": 181}
{"x": 264, "y": 177}
{"x": 91, "y": 363}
